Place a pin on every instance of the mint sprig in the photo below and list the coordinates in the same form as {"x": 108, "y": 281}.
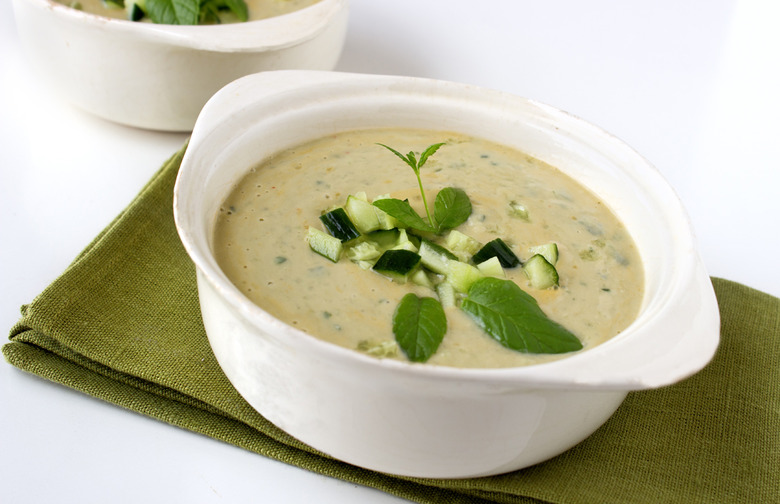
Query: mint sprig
{"x": 412, "y": 161}
{"x": 452, "y": 206}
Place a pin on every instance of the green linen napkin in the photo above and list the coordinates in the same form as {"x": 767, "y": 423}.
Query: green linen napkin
{"x": 123, "y": 324}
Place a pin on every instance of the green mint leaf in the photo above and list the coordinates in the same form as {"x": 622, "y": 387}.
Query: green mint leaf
{"x": 175, "y": 12}
{"x": 412, "y": 163}
{"x": 209, "y": 12}
{"x": 404, "y": 213}
{"x": 419, "y": 325}
{"x": 428, "y": 153}
{"x": 452, "y": 208}
{"x": 239, "y": 8}
{"x": 514, "y": 318}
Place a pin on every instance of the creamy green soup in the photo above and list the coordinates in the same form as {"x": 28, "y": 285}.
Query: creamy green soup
{"x": 260, "y": 241}
{"x": 258, "y": 9}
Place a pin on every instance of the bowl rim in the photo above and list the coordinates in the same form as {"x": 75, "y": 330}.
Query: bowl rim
{"x": 267, "y": 34}
{"x": 583, "y": 370}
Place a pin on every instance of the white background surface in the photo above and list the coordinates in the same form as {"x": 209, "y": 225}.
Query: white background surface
{"x": 693, "y": 86}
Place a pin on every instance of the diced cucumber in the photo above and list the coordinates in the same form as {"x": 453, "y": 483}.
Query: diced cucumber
{"x": 364, "y": 251}
{"x": 324, "y": 244}
{"x": 446, "y": 294}
{"x": 461, "y": 275}
{"x": 136, "y": 9}
{"x": 406, "y": 246}
{"x": 462, "y": 245}
{"x": 386, "y": 221}
{"x": 518, "y": 210}
{"x": 420, "y": 277}
{"x": 387, "y": 348}
{"x": 406, "y": 242}
{"x": 548, "y": 250}
{"x": 397, "y": 264}
{"x": 497, "y": 248}
{"x": 362, "y": 214}
{"x": 435, "y": 257}
{"x": 384, "y": 239}
{"x": 338, "y": 224}
{"x": 135, "y": 13}
{"x": 492, "y": 268}
{"x": 541, "y": 274}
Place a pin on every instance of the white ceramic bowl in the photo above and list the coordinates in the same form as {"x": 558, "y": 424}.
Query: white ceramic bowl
{"x": 420, "y": 420}
{"x": 160, "y": 76}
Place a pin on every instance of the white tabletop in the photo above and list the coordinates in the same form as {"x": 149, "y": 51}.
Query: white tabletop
{"x": 693, "y": 86}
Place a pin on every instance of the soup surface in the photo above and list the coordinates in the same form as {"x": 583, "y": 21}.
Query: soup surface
{"x": 258, "y": 9}
{"x": 260, "y": 241}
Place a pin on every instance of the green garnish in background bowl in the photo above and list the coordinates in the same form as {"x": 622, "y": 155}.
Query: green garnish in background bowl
{"x": 182, "y": 12}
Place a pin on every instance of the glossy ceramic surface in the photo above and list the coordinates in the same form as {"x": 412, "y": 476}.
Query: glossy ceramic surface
{"x": 420, "y": 420}
{"x": 160, "y": 76}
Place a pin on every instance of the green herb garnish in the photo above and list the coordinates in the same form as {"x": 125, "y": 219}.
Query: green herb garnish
{"x": 472, "y": 280}
{"x": 513, "y": 318}
{"x": 412, "y": 161}
{"x": 419, "y": 325}
{"x": 191, "y": 12}
{"x": 403, "y": 212}
{"x": 451, "y": 208}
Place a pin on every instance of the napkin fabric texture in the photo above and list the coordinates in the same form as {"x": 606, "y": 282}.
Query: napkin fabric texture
{"x": 123, "y": 324}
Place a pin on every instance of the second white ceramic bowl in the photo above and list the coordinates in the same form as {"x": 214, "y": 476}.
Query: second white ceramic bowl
{"x": 421, "y": 420}
{"x": 160, "y": 76}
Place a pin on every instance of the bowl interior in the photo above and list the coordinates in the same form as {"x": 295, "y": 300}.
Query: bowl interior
{"x": 258, "y": 116}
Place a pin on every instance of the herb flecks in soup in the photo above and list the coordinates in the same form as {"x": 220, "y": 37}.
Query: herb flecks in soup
{"x": 189, "y": 12}
{"x": 534, "y": 209}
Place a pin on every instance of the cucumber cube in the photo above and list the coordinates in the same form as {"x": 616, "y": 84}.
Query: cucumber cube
{"x": 541, "y": 274}
{"x": 324, "y": 244}
{"x": 397, "y": 264}
{"x": 462, "y": 245}
{"x": 362, "y": 214}
{"x": 548, "y": 250}
{"x": 492, "y": 268}
{"x": 461, "y": 275}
